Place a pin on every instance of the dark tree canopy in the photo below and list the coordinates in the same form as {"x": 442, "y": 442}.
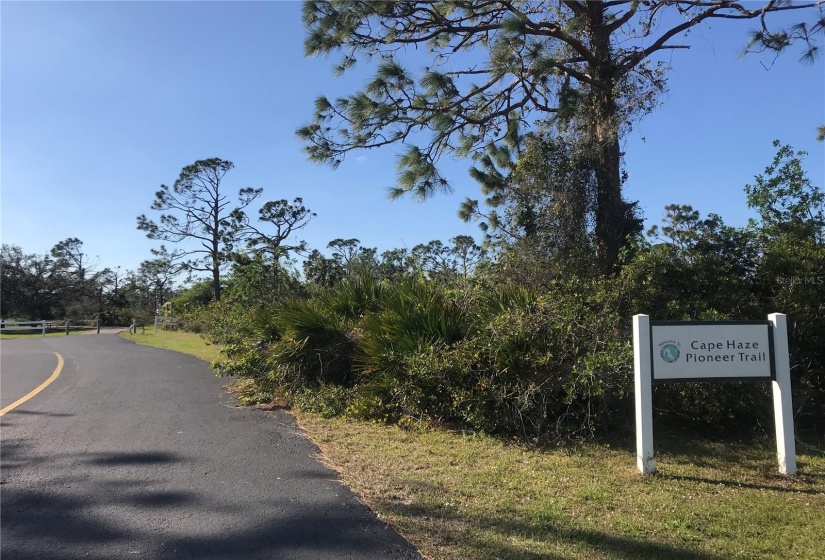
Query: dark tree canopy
{"x": 69, "y": 255}
{"x": 589, "y": 66}
{"x": 61, "y": 284}
{"x": 197, "y": 208}
{"x": 538, "y": 189}
{"x": 785, "y": 197}
{"x": 283, "y": 218}
{"x": 28, "y": 284}
{"x": 158, "y": 273}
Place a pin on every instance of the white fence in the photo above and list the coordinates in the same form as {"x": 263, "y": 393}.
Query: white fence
{"x": 43, "y": 326}
{"x": 165, "y": 322}
{"x": 14, "y": 326}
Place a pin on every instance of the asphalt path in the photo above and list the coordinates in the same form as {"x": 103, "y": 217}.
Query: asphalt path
{"x": 136, "y": 452}
{"x": 32, "y": 366}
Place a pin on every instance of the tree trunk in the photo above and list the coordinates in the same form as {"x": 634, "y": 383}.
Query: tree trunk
{"x": 609, "y": 225}
{"x": 216, "y": 282}
{"x": 609, "y": 204}
{"x": 216, "y": 262}
{"x": 216, "y": 248}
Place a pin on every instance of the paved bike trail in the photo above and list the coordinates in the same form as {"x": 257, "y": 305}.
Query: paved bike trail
{"x": 136, "y": 452}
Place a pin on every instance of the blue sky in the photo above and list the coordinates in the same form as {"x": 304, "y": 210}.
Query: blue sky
{"x": 101, "y": 102}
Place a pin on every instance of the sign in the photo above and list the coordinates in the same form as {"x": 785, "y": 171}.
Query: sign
{"x": 673, "y": 352}
{"x": 711, "y": 350}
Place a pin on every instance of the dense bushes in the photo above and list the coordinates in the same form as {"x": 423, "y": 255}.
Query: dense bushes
{"x": 507, "y": 361}
{"x": 794, "y": 284}
{"x": 532, "y": 348}
{"x": 558, "y": 366}
{"x": 535, "y": 363}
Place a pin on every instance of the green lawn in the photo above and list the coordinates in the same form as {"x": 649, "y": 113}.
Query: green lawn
{"x": 465, "y": 497}
{"x": 184, "y": 342}
{"x": 456, "y": 496}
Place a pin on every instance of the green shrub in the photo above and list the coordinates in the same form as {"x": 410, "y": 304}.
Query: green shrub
{"x": 554, "y": 365}
{"x": 195, "y": 297}
{"x": 725, "y": 278}
{"x": 559, "y": 368}
{"x": 554, "y": 362}
{"x": 793, "y": 276}
{"x": 314, "y": 348}
{"x": 326, "y": 400}
{"x": 412, "y": 315}
{"x": 355, "y": 296}
{"x": 420, "y": 385}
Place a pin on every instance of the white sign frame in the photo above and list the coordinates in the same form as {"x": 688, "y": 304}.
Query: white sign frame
{"x": 780, "y": 378}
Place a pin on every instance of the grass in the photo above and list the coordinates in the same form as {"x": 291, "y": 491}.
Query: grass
{"x": 462, "y": 497}
{"x": 184, "y": 342}
{"x": 456, "y": 496}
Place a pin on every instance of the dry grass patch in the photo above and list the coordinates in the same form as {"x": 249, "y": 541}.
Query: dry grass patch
{"x": 460, "y": 497}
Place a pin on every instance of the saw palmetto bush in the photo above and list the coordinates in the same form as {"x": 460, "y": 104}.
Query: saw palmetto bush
{"x": 287, "y": 348}
{"x": 300, "y": 346}
{"x": 412, "y": 314}
{"x": 521, "y": 364}
{"x": 354, "y": 297}
{"x": 315, "y": 347}
{"x": 416, "y": 319}
{"x": 510, "y": 361}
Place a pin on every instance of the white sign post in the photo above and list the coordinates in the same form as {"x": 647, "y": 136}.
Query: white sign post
{"x": 644, "y": 394}
{"x": 679, "y": 351}
{"x": 782, "y": 408}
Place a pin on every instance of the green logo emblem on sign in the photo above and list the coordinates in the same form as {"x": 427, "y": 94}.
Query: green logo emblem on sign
{"x": 669, "y": 353}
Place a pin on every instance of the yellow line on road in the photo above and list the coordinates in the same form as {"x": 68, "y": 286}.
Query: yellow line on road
{"x": 42, "y": 386}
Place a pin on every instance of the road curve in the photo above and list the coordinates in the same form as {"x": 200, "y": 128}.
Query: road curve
{"x": 135, "y": 452}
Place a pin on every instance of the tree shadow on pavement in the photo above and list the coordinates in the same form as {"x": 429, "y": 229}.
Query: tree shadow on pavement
{"x": 104, "y": 506}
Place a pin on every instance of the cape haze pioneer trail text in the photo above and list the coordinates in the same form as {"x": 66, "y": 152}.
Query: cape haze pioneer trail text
{"x": 728, "y": 345}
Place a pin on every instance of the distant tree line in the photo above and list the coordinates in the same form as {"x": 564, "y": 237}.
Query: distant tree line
{"x": 65, "y": 283}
